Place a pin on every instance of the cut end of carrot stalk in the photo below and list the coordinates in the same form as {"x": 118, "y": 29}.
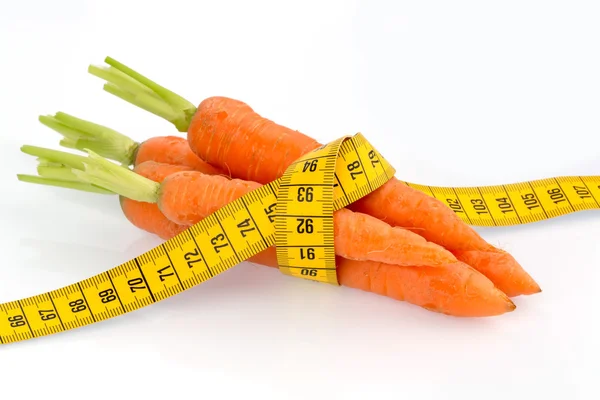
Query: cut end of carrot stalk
{"x": 80, "y": 134}
{"x": 48, "y": 156}
{"x": 67, "y": 184}
{"x": 56, "y": 171}
{"x": 103, "y": 173}
{"x": 142, "y": 92}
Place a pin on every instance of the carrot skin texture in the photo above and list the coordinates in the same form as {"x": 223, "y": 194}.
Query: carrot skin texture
{"x": 159, "y": 171}
{"x": 147, "y": 216}
{"x": 456, "y": 289}
{"x": 225, "y": 132}
{"x": 501, "y": 268}
{"x": 354, "y": 228}
{"x": 173, "y": 150}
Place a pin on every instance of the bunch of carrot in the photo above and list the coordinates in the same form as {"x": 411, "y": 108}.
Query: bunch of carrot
{"x": 166, "y": 184}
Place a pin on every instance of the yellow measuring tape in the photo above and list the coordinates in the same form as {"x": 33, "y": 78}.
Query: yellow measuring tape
{"x": 295, "y": 213}
{"x": 519, "y": 203}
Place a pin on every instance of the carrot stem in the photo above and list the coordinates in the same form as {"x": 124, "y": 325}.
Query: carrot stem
{"x": 68, "y": 184}
{"x": 148, "y": 103}
{"x": 142, "y": 92}
{"x": 119, "y": 78}
{"x": 56, "y": 171}
{"x": 123, "y": 181}
{"x": 80, "y": 134}
{"x": 55, "y": 156}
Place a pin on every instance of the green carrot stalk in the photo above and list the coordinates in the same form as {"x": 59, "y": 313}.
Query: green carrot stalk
{"x": 133, "y": 87}
{"x": 55, "y": 168}
{"x": 109, "y": 176}
{"x": 60, "y": 172}
{"x": 68, "y": 184}
{"x": 81, "y": 134}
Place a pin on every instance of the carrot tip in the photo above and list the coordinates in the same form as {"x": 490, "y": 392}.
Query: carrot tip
{"x": 510, "y": 306}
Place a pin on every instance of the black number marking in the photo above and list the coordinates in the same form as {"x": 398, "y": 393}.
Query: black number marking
{"x": 77, "y": 305}
{"x": 479, "y": 206}
{"x": 455, "y": 205}
{"x": 16, "y": 321}
{"x": 530, "y": 200}
{"x": 219, "y": 238}
{"x": 270, "y": 210}
{"x": 582, "y": 192}
{"x": 305, "y": 225}
{"x": 310, "y": 253}
{"x": 373, "y": 158}
{"x": 556, "y": 195}
{"x": 136, "y": 284}
{"x": 305, "y": 194}
{"x": 310, "y": 166}
{"x": 162, "y": 276}
{"x": 189, "y": 257}
{"x": 351, "y": 167}
{"x": 47, "y": 315}
{"x": 106, "y": 296}
{"x": 505, "y": 205}
{"x": 310, "y": 272}
{"x": 245, "y": 227}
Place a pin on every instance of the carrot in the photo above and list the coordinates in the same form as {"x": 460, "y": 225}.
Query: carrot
{"x": 227, "y": 133}
{"x": 81, "y": 134}
{"x": 222, "y": 141}
{"x": 147, "y": 216}
{"x": 55, "y": 169}
{"x": 453, "y": 289}
{"x": 187, "y": 197}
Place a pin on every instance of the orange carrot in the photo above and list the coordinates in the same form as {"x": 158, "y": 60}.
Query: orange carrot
{"x": 457, "y": 289}
{"x": 228, "y": 134}
{"x": 224, "y": 131}
{"x": 187, "y": 197}
{"x": 147, "y": 216}
{"x": 81, "y": 135}
{"x": 453, "y": 288}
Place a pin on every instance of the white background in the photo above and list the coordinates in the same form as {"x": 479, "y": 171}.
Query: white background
{"x": 453, "y": 93}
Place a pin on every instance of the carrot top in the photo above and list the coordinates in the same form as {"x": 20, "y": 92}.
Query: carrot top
{"x": 140, "y": 91}
{"x": 80, "y": 134}
{"x": 55, "y": 168}
{"x": 103, "y": 173}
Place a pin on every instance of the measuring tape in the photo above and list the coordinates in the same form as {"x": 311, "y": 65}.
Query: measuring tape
{"x": 519, "y": 203}
{"x": 294, "y": 212}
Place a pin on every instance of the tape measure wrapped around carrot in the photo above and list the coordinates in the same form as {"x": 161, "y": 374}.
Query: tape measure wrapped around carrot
{"x": 229, "y": 135}
{"x": 451, "y": 287}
